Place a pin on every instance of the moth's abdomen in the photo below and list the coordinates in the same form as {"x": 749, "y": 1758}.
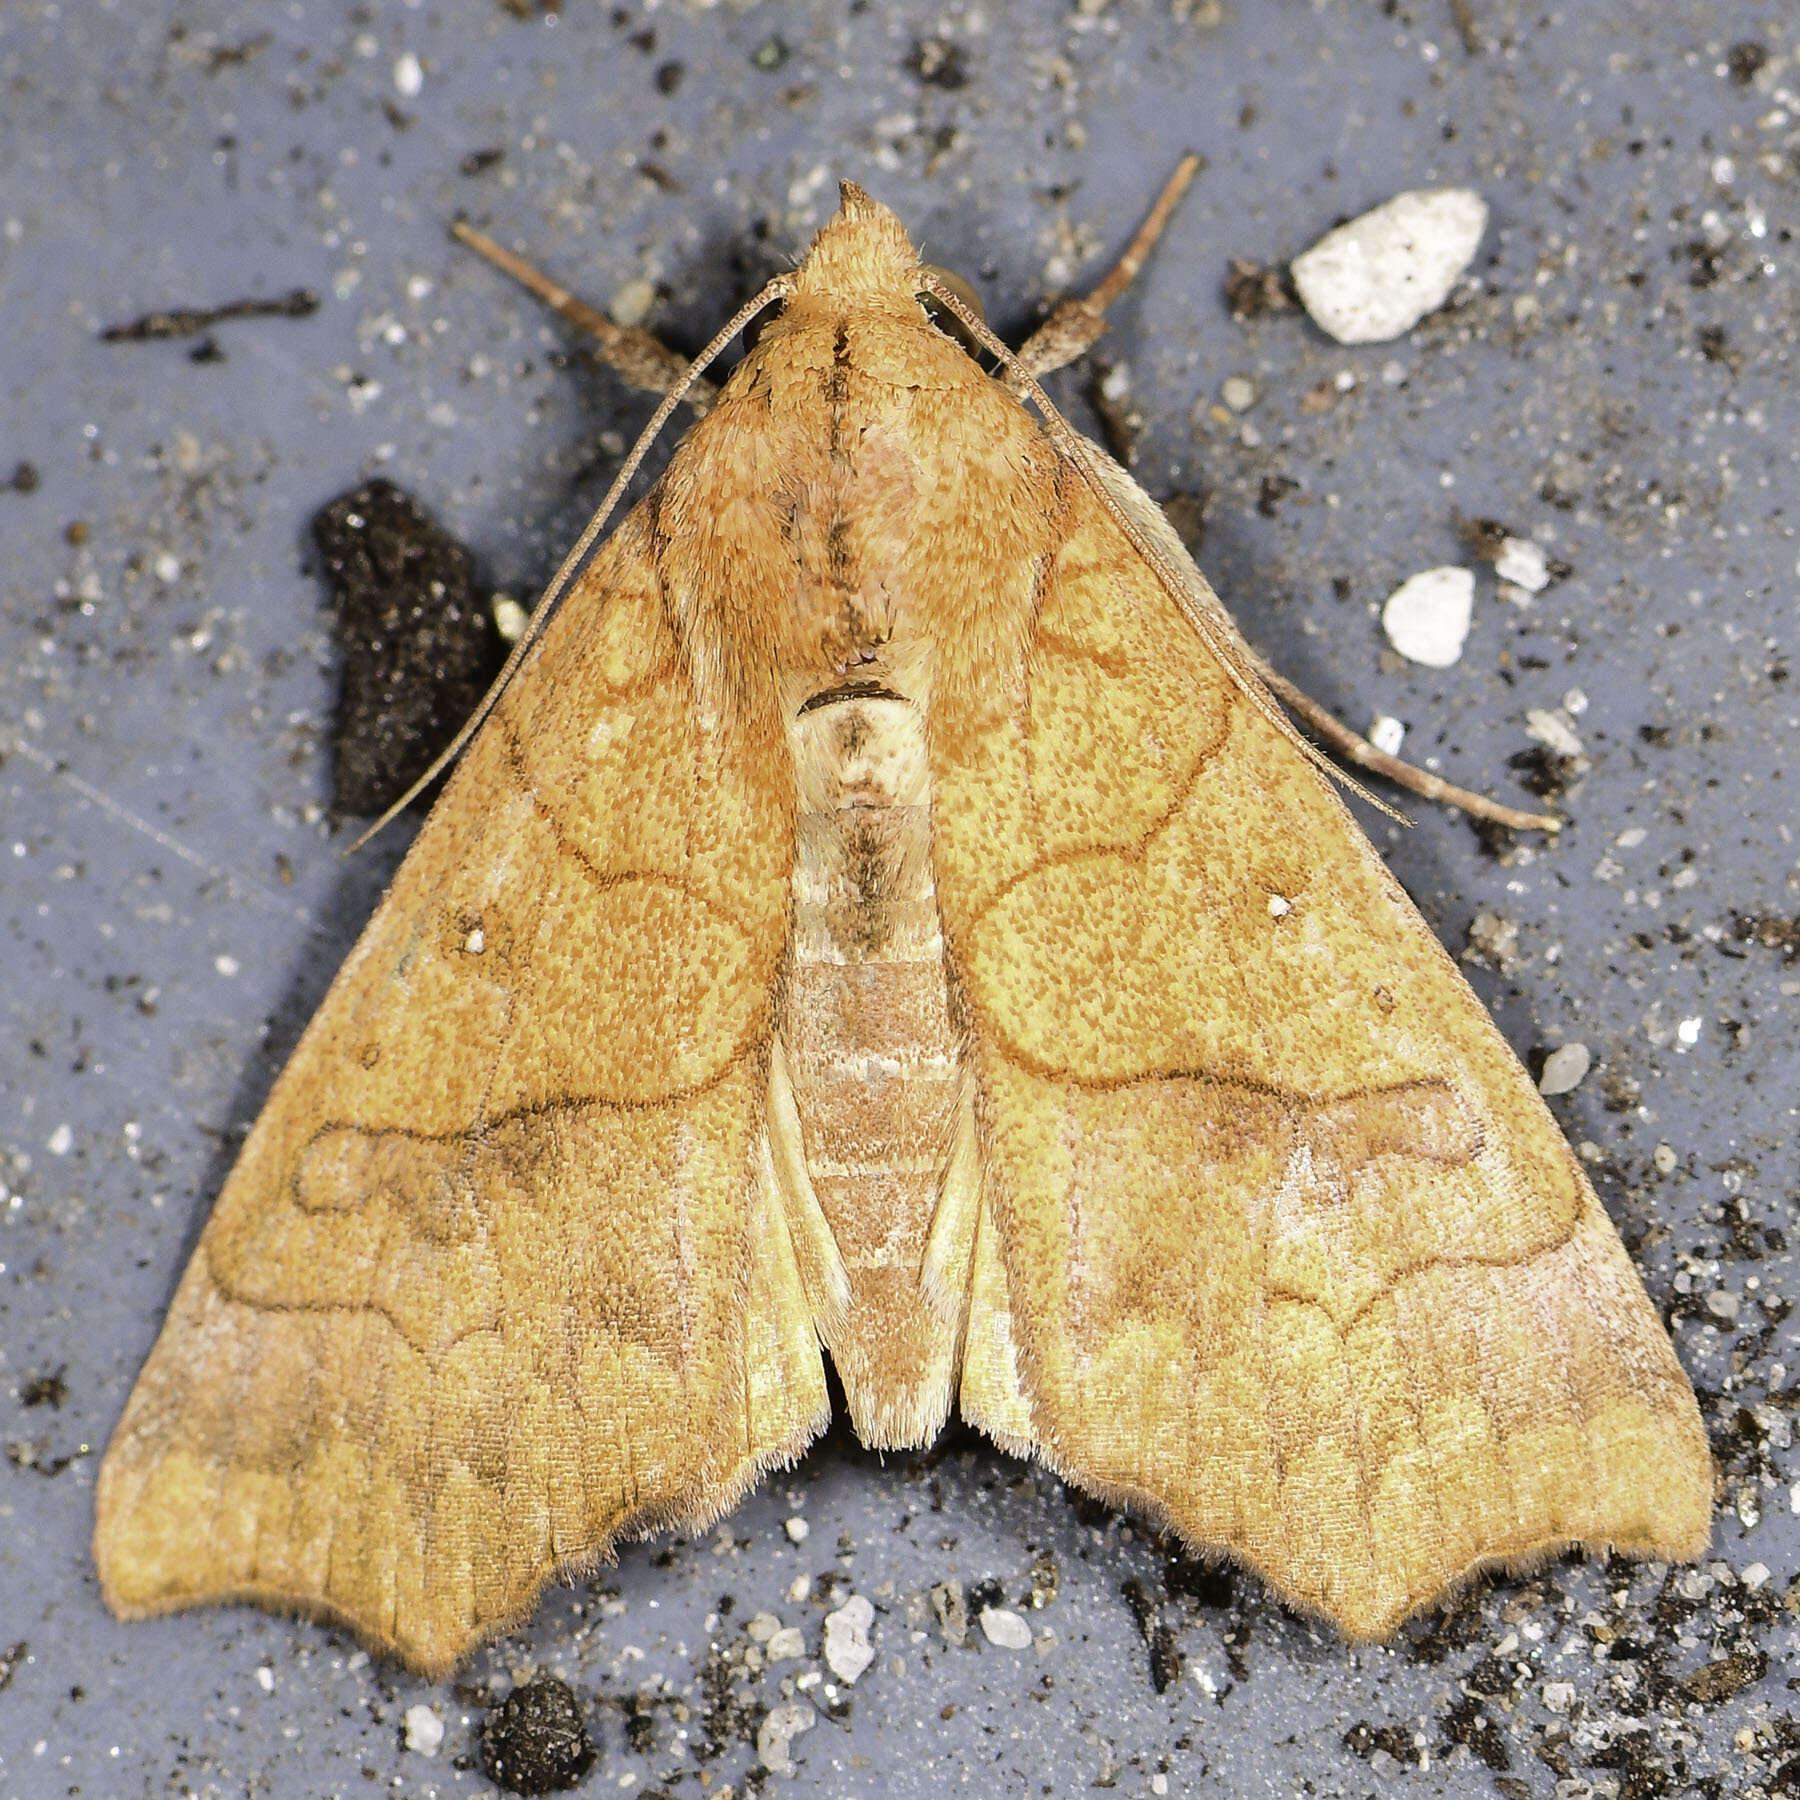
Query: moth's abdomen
{"x": 871, "y": 1051}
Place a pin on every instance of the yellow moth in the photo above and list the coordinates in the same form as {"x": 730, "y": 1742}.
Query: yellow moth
{"x": 886, "y": 912}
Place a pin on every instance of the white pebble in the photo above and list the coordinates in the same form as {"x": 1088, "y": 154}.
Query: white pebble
{"x": 1754, "y": 1576}
{"x": 847, "y": 1648}
{"x": 632, "y": 302}
{"x": 1665, "y": 1159}
{"x": 762, "y": 1627}
{"x": 1524, "y": 564}
{"x": 61, "y": 1141}
{"x": 1387, "y": 734}
{"x": 510, "y": 618}
{"x": 778, "y": 1731}
{"x": 785, "y": 1645}
{"x": 1378, "y": 276}
{"x": 1005, "y": 1629}
{"x": 424, "y": 1730}
{"x": 1427, "y": 616}
{"x": 1554, "y": 730}
{"x": 797, "y": 1528}
{"x": 1565, "y": 1069}
{"x": 168, "y": 567}
{"x": 1238, "y": 392}
{"x": 409, "y": 82}
{"x": 1559, "y": 1696}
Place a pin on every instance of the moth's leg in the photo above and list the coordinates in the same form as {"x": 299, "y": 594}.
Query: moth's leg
{"x": 631, "y": 352}
{"x": 1354, "y": 748}
{"x": 1075, "y": 324}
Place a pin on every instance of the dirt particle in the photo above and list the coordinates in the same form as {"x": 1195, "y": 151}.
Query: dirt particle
{"x": 937, "y": 62}
{"x": 196, "y": 321}
{"x": 1165, "y": 1659}
{"x": 417, "y": 644}
{"x": 1252, "y": 289}
{"x": 535, "y": 1741}
{"x": 952, "y": 1610}
{"x": 47, "y": 1389}
{"x": 1745, "y": 60}
{"x": 1468, "y": 1723}
{"x": 1194, "y": 1578}
{"x": 1367, "y": 1741}
{"x": 1723, "y": 1679}
{"x": 24, "y": 478}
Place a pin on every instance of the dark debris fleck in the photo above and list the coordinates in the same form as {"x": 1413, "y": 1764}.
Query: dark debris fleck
{"x": 536, "y": 1741}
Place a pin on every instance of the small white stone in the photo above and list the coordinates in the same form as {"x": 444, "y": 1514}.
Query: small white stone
{"x": 510, "y": 618}
{"x": 265, "y": 1678}
{"x": 1387, "y": 734}
{"x": 1238, "y": 392}
{"x": 1631, "y": 837}
{"x": 226, "y": 965}
{"x": 778, "y": 1731}
{"x": 1665, "y": 1159}
{"x": 1376, "y": 277}
{"x": 847, "y": 1648}
{"x": 632, "y": 302}
{"x": 1559, "y": 1696}
{"x": 1427, "y": 616}
{"x": 762, "y": 1627}
{"x": 1524, "y": 564}
{"x": 409, "y": 83}
{"x": 797, "y": 1528}
{"x": 785, "y": 1645}
{"x": 168, "y": 567}
{"x": 61, "y": 1141}
{"x": 1722, "y": 1303}
{"x": 1279, "y": 906}
{"x": 424, "y": 1730}
{"x": 1687, "y": 1033}
{"x": 1553, "y": 730}
{"x": 1005, "y": 1629}
{"x": 1565, "y": 1069}
{"x": 1754, "y": 1576}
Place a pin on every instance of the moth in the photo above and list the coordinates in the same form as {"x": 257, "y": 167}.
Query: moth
{"x": 886, "y": 914}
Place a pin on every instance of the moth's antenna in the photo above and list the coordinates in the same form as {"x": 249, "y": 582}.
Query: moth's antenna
{"x": 778, "y": 289}
{"x": 631, "y": 352}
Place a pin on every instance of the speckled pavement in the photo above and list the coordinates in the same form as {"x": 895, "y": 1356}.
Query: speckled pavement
{"x": 1616, "y": 380}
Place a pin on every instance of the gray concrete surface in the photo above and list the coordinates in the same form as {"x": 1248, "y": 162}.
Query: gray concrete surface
{"x": 1618, "y": 380}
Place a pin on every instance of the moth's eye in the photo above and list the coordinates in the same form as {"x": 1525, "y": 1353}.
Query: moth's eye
{"x": 944, "y": 319}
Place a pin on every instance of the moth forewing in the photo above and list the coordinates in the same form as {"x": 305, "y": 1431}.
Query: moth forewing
{"x": 856, "y": 925}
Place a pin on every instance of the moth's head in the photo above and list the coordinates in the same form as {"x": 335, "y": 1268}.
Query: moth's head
{"x": 861, "y": 252}
{"x": 862, "y": 256}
